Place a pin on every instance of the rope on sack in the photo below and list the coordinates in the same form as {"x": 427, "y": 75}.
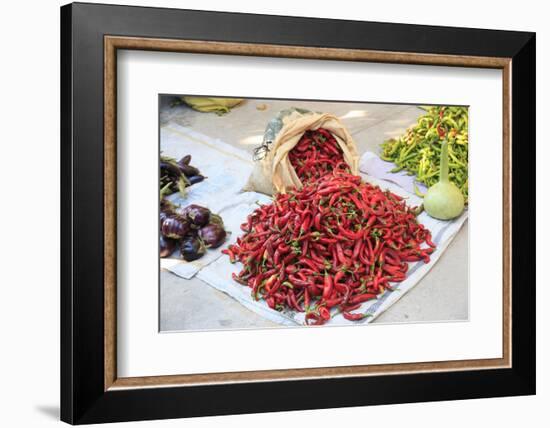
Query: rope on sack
{"x": 262, "y": 150}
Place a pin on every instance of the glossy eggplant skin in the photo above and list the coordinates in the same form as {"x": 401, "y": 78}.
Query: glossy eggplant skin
{"x": 169, "y": 169}
{"x": 213, "y": 235}
{"x": 188, "y": 170}
{"x": 194, "y": 179}
{"x": 167, "y": 246}
{"x": 184, "y": 160}
{"x": 166, "y": 210}
{"x": 163, "y": 216}
{"x": 175, "y": 227}
{"x": 192, "y": 228}
{"x": 192, "y": 248}
{"x": 197, "y": 215}
{"x": 176, "y": 176}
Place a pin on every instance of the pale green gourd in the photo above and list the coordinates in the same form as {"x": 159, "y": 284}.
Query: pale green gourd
{"x": 444, "y": 200}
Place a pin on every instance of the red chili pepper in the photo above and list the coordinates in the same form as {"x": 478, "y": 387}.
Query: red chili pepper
{"x": 392, "y": 270}
{"x": 305, "y": 224}
{"x": 239, "y": 280}
{"x": 357, "y": 248}
{"x": 293, "y": 301}
{"x": 291, "y": 269}
{"x": 330, "y": 303}
{"x": 333, "y": 199}
{"x": 269, "y": 283}
{"x": 306, "y": 299}
{"x": 299, "y": 282}
{"x": 313, "y": 316}
{"x": 309, "y": 263}
{"x": 327, "y": 290}
{"x": 353, "y": 317}
{"x": 328, "y": 241}
{"x": 230, "y": 254}
{"x": 340, "y": 254}
{"x": 311, "y": 245}
{"x": 315, "y": 257}
{"x": 349, "y": 234}
{"x": 314, "y": 291}
{"x": 356, "y": 201}
{"x": 428, "y": 240}
{"x": 317, "y": 221}
{"x": 276, "y": 257}
{"x": 324, "y": 313}
{"x": 360, "y": 298}
{"x": 289, "y": 258}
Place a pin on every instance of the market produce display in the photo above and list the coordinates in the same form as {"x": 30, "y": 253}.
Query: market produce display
{"x": 193, "y": 229}
{"x": 418, "y": 150}
{"x": 177, "y": 175}
{"x": 316, "y": 154}
{"x": 318, "y": 231}
{"x": 329, "y": 247}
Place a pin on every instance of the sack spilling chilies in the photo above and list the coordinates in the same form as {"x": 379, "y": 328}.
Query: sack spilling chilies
{"x": 328, "y": 242}
{"x": 273, "y": 171}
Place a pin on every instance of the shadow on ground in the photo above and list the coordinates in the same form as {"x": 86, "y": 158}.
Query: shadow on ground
{"x": 50, "y": 411}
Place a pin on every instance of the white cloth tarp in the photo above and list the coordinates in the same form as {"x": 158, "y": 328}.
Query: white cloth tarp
{"x": 227, "y": 169}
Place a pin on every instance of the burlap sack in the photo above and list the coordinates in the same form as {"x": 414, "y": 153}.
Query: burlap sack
{"x": 275, "y": 174}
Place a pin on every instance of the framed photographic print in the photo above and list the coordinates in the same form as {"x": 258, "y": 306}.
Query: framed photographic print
{"x": 257, "y": 207}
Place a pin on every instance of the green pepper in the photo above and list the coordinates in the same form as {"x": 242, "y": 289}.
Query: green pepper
{"x": 418, "y": 150}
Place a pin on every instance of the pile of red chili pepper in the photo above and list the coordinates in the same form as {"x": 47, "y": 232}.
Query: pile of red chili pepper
{"x": 329, "y": 247}
{"x": 316, "y": 154}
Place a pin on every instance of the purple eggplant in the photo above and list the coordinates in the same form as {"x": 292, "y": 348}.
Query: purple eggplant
{"x": 172, "y": 178}
{"x": 185, "y": 160}
{"x": 175, "y": 227}
{"x": 177, "y": 176}
{"x": 188, "y": 170}
{"x": 185, "y": 166}
{"x": 167, "y": 246}
{"x": 192, "y": 248}
{"x": 163, "y": 216}
{"x": 194, "y": 179}
{"x": 213, "y": 235}
{"x": 167, "y": 209}
{"x": 169, "y": 168}
{"x": 197, "y": 215}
